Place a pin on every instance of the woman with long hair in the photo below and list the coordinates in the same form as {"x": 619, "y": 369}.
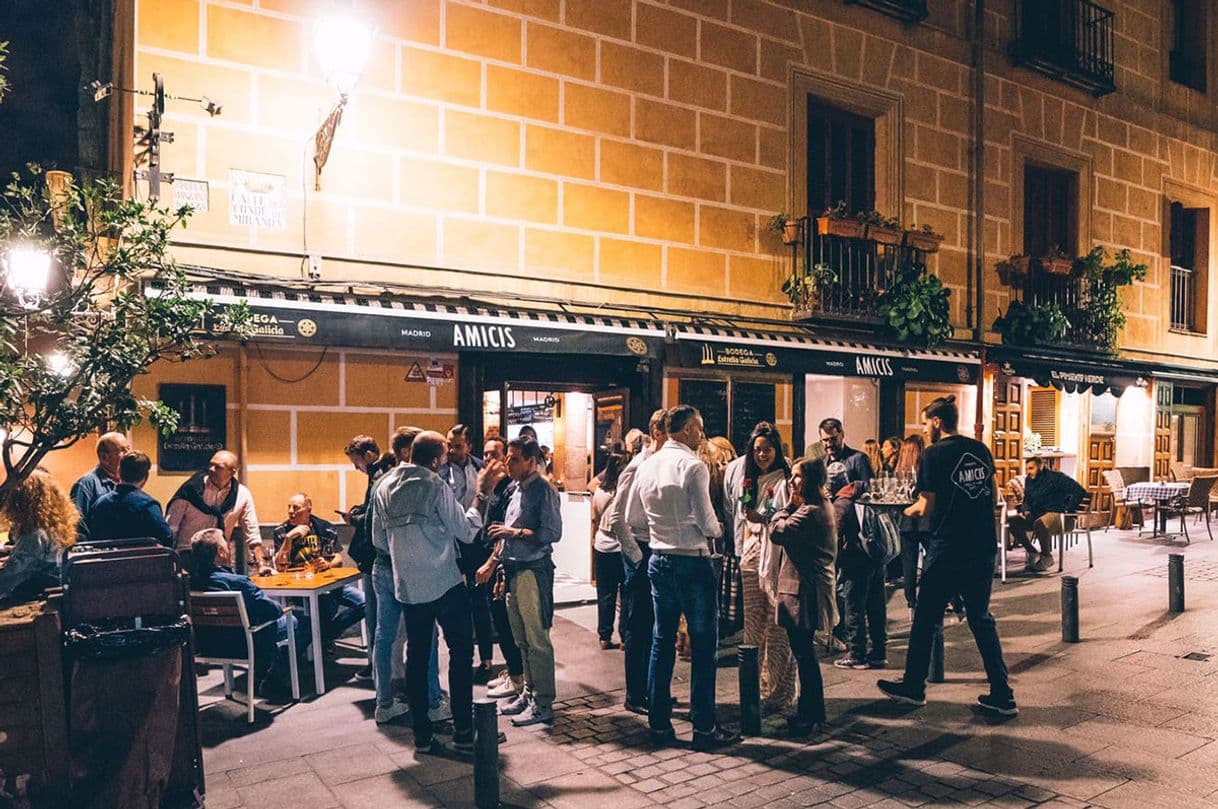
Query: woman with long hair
{"x": 912, "y": 529}
{"x": 755, "y": 488}
{"x": 805, "y": 536}
{"x": 871, "y": 448}
{"x": 890, "y": 453}
{"x": 607, "y": 551}
{"x": 42, "y": 521}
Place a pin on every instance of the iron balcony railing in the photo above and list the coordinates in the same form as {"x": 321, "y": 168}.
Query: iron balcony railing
{"x": 1069, "y": 293}
{"x": 864, "y": 269}
{"x": 1069, "y": 40}
{"x": 909, "y": 11}
{"x": 1182, "y": 303}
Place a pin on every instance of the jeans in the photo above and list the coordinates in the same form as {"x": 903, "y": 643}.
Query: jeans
{"x": 1044, "y": 528}
{"x": 480, "y": 612}
{"x": 610, "y": 575}
{"x": 866, "y": 609}
{"x": 811, "y": 707}
{"x": 340, "y": 610}
{"x": 507, "y": 641}
{"x": 972, "y": 579}
{"x": 388, "y": 623}
{"x": 532, "y": 636}
{"x": 910, "y": 545}
{"x": 637, "y": 625}
{"x": 683, "y": 585}
{"x": 369, "y": 612}
{"x": 450, "y": 611}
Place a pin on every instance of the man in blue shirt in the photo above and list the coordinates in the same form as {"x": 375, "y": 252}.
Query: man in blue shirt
{"x": 128, "y": 512}
{"x": 530, "y": 527}
{"x": 111, "y": 448}
{"x": 211, "y": 571}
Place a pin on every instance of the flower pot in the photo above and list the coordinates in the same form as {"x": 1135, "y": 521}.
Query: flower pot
{"x": 1011, "y": 275}
{"x": 923, "y": 241}
{"x": 882, "y": 235}
{"x": 790, "y": 232}
{"x": 1021, "y": 264}
{"x": 843, "y": 228}
{"x": 1057, "y": 266}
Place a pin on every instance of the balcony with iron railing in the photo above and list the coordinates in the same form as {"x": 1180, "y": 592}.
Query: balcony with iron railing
{"x": 1068, "y": 40}
{"x": 908, "y": 11}
{"x": 1044, "y": 289}
{"x": 1183, "y": 304}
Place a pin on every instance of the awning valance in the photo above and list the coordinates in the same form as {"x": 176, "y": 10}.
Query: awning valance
{"x": 1070, "y": 374}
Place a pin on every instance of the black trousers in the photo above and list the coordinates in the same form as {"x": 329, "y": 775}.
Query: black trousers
{"x": 973, "y": 580}
{"x": 452, "y": 612}
{"x": 638, "y": 622}
{"x": 507, "y": 641}
{"x": 811, "y": 707}
{"x": 610, "y": 581}
{"x": 866, "y": 609}
{"x": 480, "y": 612}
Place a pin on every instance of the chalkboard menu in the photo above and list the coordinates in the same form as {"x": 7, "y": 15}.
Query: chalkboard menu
{"x": 202, "y": 427}
{"x": 710, "y": 397}
{"x": 751, "y": 402}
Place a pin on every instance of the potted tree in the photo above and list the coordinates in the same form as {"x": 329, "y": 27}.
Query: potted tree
{"x": 787, "y": 227}
{"x": 836, "y": 221}
{"x": 924, "y": 239}
{"x": 882, "y": 229}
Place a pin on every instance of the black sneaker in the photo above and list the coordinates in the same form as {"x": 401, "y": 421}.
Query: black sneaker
{"x": 483, "y": 674}
{"x": 1003, "y": 706}
{"x": 878, "y": 663}
{"x": 798, "y": 726}
{"x": 364, "y": 674}
{"x": 849, "y": 661}
{"x": 640, "y": 708}
{"x": 719, "y": 737}
{"x": 465, "y": 744}
{"x": 901, "y": 691}
{"x": 662, "y": 738}
{"x": 430, "y": 747}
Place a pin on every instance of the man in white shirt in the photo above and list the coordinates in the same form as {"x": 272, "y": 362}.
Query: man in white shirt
{"x": 637, "y": 615}
{"x": 216, "y": 499}
{"x": 671, "y": 500}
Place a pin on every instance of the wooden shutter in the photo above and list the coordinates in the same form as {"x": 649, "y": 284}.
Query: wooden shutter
{"x": 1042, "y": 414}
{"x": 1049, "y": 210}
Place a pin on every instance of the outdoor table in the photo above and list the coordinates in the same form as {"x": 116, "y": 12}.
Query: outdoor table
{"x": 1158, "y": 493}
{"x": 307, "y": 585}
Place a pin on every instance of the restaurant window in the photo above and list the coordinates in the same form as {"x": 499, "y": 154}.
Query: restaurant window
{"x": 1189, "y": 245}
{"x": 1189, "y": 43}
{"x": 841, "y": 158}
{"x": 1050, "y": 205}
{"x": 730, "y": 408}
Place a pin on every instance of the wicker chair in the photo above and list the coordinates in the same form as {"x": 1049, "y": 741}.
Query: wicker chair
{"x": 1116, "y": 483}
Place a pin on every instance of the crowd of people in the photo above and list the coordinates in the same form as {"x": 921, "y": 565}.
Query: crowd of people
{"x": 688, "y": 539}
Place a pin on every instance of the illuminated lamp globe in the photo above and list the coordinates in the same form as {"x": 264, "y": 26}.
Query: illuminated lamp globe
{"x": 343, "y": 44}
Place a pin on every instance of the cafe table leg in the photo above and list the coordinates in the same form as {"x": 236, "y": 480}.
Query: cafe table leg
{"x": 319, "y": 658}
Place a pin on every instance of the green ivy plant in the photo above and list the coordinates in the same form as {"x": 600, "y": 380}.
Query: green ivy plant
{"x": 1101, "y": 316}
{"x": 1026, "y": 325}
{"x": 68, "y": 356}
{"x": 915, "y": 307}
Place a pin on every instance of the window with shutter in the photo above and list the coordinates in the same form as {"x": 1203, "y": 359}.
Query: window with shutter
{"x": 841, "y": 158}
{"x": 1042, "y": 414}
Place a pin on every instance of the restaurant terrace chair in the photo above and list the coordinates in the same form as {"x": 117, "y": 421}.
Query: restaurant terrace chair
{"x": 1195, "y": 501}
{"x": 227, "y": 609}
{"x": 1076, "y": 525}
{"x": 1116, "y": 484}
{"x": 1180, "y": 471}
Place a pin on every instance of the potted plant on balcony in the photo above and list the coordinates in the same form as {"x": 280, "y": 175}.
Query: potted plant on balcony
{"x": 924, "y": 239}
{"x": 803, "y": 289}
{"x": 1014, "y": 270}
{"x": 836, "y": 221}
{"x": 882, "y": 229}
{"x": 915, "y": 306}
{"x": 1101, "y": 316}
{"x": 1058, "y": 262}
{"x": 787, "y": 227}
{"x": 1026, "y": 325}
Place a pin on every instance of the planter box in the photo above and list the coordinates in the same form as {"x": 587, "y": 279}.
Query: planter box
{"x": 1011, "y": 275}
{"x": 923, "y": 241}
{"x": 843, "y": 228}
{"x": 1057, "y": 266}
{"x": 881, "y": 235}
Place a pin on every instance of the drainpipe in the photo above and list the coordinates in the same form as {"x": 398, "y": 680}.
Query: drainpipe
{"x": 976, "y": 306}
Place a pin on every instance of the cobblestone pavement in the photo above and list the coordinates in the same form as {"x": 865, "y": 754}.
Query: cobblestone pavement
{"x": 1127, "y": 718}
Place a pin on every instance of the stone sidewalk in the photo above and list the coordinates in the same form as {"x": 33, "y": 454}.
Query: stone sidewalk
{"x": 1126, "y": 718}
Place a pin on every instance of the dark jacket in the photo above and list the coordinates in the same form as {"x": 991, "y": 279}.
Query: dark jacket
{"x": 806, "y": 579}
{"x": 361, "y": 550}
{"x": 85, "y": 494}
{"x": 129, "y": 513}
{"x": 1051, "y": 492}
{"x": 259, "y": 607}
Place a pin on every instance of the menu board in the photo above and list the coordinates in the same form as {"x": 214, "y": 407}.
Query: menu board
{"x": 202, "y": 427}
{"x": 710, "y": 397}
{"x": 751, "y": 402}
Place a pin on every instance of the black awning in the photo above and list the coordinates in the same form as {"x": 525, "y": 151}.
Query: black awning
{"x": 1072, "y": 374}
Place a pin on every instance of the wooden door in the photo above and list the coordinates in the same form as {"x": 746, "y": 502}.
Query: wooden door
{"x": 1101, "y": 457}
{"x": 1163, "y": 410}
{"x": 1007, "y": 438}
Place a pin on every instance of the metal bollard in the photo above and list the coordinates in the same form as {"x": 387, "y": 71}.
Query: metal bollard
{"x": 486, "y": 753}
{"x": 750, "y": 691}
{"x": 936, "y": 674}
{"x": 1070, "y": 609}
{"x": 1175, "y": 582}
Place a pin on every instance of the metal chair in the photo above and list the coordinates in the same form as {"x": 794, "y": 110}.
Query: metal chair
{"x": 1074, "y": 526}
{"x": 1195, "y": 501}
{"x": 227, "y": 609}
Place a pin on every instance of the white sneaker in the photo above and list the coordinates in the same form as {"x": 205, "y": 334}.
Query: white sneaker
{"x": 535, "y": 715}
{"x": 498, "y": 680}
{"x": 516, "y": 706}
{"x": 508, "y": 689}
{"x": 441, "y": 712}
{"x": 392, "y": 711}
